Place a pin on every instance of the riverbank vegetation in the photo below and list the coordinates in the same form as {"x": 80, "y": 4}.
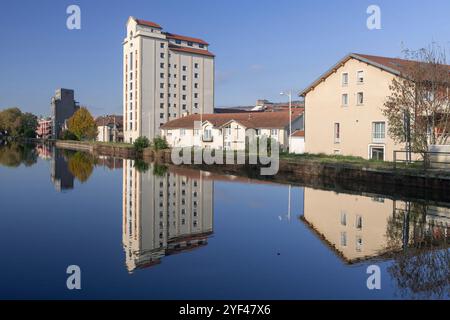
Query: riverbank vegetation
{"x": 15, "y": 123}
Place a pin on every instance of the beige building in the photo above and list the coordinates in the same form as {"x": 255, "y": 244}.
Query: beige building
{"x": 228, "y": 131}
{"x": 165, "y": 76}
{"x": 164, "y": 214}
{"x": 109, "y": 128}
{"x": 344, "y": 108}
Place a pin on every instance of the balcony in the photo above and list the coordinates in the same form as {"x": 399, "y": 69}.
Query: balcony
{"x": 207, "y": 138}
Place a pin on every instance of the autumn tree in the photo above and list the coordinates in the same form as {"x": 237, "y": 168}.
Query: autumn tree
{"x": 81, "y": 165}
{"x": 83, "y": 125}
{"x": 418, "y": 108}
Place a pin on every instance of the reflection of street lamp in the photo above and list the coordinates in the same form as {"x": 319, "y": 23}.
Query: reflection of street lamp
{"x": 289, "y": 94}
{"x": 289, "y": 206}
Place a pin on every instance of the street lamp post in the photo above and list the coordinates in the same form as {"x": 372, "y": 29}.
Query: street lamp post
{"x": 289, "y": 94}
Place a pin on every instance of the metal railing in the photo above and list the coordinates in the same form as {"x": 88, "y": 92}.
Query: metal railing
{"x": 425, "y": 159}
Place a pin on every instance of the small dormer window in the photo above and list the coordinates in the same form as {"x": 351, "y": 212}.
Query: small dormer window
{"x": 190, "y": 44}
{"x": 178, "y": 41}
{"x": 201, "y": 46}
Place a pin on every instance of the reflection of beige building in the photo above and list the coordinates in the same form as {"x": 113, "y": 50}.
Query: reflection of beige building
{"x": 344, "y": 108}
{"x": 357, "y": 227}
{"x": 163, "y": 215}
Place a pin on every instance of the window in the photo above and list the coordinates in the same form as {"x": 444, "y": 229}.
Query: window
{"x": 196, "y": 75}
{"x": 377, "y": 153}
{"x": 161, "y": 65}
{"x": 161, "y": 115}
{"x": 196, "y": 65}
{"x": 190, "y": 44}
{"x": 359, "y": 244}
{"x": 359, "y": 223}
{"x": 184, "y": 107}
{"x": 201, "y": 46}
{"x": 178, "y": 41}
{"x": 161, "y": 95}
{"x": 184, "y": 88}
{"x": 378, "y": 131}
{"x": 343, "y": 239}
{"x": 161, "y": 75}
{"x": 345, "y": 100}
{"x": 184, "y": 97}
{"x": 161, "y": 85}
{"x": 196, "y": 105}
{"x": 162, "y": 45}
{"x": 184, "y": 68}
{"x": 195, "y": 95}
{"x": 337, "y": 133}
{"x": 196, "y": 131}
{"x": 345, "y": 79}
{"x": 131, "y": 61}
{"x": 196, "y": 85}
{"x": 360, "y": 77}
{"x": 343, "y": 218}
{"x": 184, "y": 78}
{"x": 360, "y": 98}
{"x": 161, "y": 105}
{"x": 161, "y": 55}
{"x": 182, "y": 132}
{"x": 274, "y": 132}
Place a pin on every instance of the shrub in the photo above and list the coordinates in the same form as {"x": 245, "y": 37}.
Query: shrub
{"x": 141, "y": 143}
{"x": 160, "y": 143}
{"x": 67, "y": 135}
{"x": 141, "y": 166}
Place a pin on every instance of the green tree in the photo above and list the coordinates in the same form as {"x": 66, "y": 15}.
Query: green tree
{"x": 141, "y": 143}
{"x": 28, "y": 125}
{"x": 10, "y": 121}
{"x": 160, "y": 143}
{"x": 83, "y": 125}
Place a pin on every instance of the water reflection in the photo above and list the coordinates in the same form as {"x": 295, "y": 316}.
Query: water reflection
{"x": 14, "y": 154}
{"x": 359, "y": 228}
{"x": 164, "y": 213}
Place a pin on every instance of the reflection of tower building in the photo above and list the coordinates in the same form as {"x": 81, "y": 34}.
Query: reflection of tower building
{"x": 164, "y": 214}
{"x": 62, "y": 178}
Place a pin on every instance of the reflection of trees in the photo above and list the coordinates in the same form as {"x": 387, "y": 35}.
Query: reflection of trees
{"x": 81, "y": 165}
{"x": 421, "y": 263}
{"x": 14, "y": 154}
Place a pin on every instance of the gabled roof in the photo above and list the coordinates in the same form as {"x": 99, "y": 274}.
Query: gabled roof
{"x": 148, "y": 23}
{"x": 276, "y": 120}
{"x": 391, "y": 65}
{"x": 109, "y": 119}
{"x": 191, "y": 50}
{"x": 184, "y": 38}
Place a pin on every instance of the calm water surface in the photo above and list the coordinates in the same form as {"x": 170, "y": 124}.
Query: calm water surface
{"x": 156, "y": 232}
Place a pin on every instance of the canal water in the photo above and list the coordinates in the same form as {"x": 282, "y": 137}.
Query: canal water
{"x": 147, "y": 231}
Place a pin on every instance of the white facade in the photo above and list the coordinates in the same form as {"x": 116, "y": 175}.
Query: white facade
{"x": 230, "y": 136}
{"x": 165, "y": 76}
{"x": 297, "y": 145}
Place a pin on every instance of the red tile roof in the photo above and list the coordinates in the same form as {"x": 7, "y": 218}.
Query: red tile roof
{"x": 110, "y": 119}
{"x": 279, "y": 119}
{"x": 191, "y": 50}
{"x": 184, "y": 38}
{"x": 393, "y": 65}
{"x": 148, "y": 23}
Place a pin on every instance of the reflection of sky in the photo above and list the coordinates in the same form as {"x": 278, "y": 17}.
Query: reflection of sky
{"x": 252, "y": 253}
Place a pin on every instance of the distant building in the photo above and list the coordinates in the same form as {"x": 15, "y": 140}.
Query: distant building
{"x": 110, "y": 128}
{"x": 165, "y": 76}
{"x": 228, "y": 130}
{"x": 45, "y": 128}
{"x": 63, "y": 107}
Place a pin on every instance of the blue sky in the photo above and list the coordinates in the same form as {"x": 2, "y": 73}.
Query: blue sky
{"x": 261, "y": 46}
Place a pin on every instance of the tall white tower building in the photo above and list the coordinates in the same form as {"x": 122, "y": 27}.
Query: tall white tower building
{"x": 165, "y": 76}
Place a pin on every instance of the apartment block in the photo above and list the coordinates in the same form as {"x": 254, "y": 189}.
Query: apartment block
{"x": 165, "y": 76}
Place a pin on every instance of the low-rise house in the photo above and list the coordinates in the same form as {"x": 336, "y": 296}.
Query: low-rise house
{"x": 44, "y": 129}
{"x": 298, "y": 142}
{"x": 228, "y": 131}
{"x": 110, "y": 128}
{"x": 344, "y": 108}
